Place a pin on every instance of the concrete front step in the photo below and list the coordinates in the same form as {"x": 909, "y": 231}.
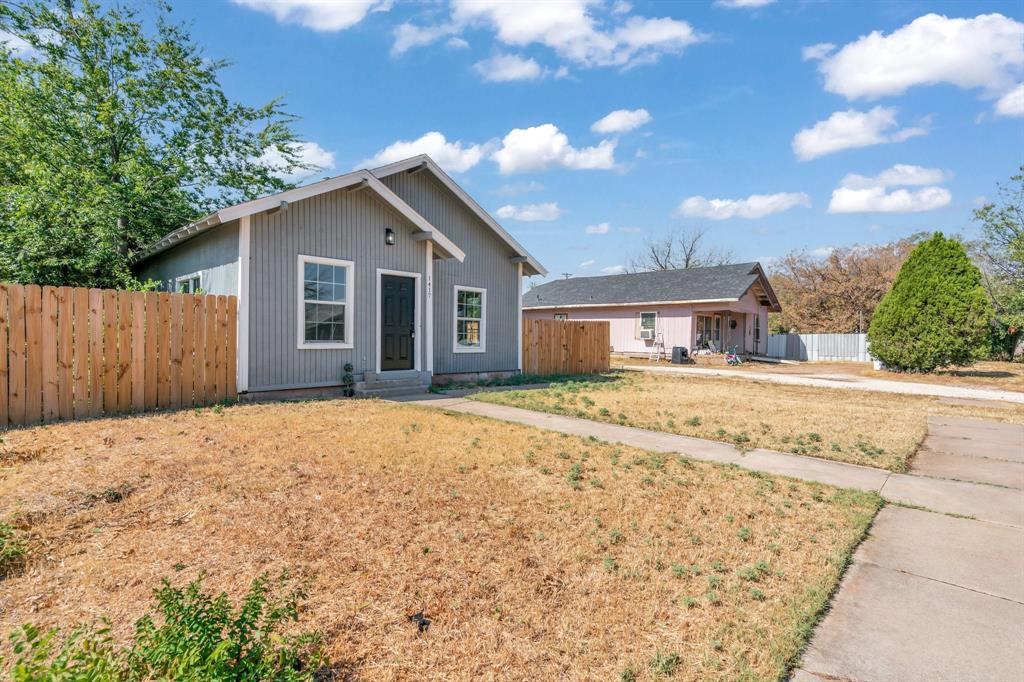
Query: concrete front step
{"x": 392, "y": 391}
{"x": 389, "y": 387}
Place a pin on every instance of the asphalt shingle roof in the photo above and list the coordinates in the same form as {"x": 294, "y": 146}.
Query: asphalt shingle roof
{"x": 692, "y": 284}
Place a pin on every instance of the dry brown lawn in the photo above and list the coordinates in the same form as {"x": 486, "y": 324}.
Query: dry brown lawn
{"x": 1006, "y": 376}
{"x": 536, "y": 556}
{"x": 874, "y": 429}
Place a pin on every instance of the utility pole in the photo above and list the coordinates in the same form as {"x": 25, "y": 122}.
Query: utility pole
{"x": 567, "y": 275}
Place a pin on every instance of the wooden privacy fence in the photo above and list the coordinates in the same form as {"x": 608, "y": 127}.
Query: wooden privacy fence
{"x": 566, "y": 347}
{"x": 69, "y": 353}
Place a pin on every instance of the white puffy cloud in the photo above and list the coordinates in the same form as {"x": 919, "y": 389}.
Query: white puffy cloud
{"x": 569, "y": 28}
{"x": 319, "y": 15}
{"x": 743, "y": 4}
{"x": 1012, "y": 103}
{"x": 621, "y": 7}
{"x": 816, "y": 52}
{"x": 862, "y": 194}
{"x": 530, "y": 212}
{"x": 457, "y": 43}
{"x": 754, "y": 206}
{"x": 621, "y": 121}
{"x": 309, "y": 153}
{"x": 600, "y": 228}
{"x": 540, "y": 147}
{"x": 878, "y": 200}
{"x": 984, "y": 52}
{"x": 408, "y": 36}
{"x": 452, "y": 156}
{"x": 614, "y": 270}
{"x": 899, "y": 175}
{"x": 508, "y": 67}
{"x": 849, "y": 129}
{"x": 587, "y": 263}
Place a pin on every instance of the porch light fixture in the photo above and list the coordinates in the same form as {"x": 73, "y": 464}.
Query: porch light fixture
{"x": 389, "y": 236}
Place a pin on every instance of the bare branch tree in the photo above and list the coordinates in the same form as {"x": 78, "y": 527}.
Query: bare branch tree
{"x": 678, "y": 250}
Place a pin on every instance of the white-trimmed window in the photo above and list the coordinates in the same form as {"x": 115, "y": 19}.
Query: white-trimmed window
{"x": 646, "y": 325}
{"x": 189, "y": 284}
{"x": 325, "y": 302}
{"x": 757, "y": 331}
{"x": 470, "y": 320}
{"x": 561, "y": 316}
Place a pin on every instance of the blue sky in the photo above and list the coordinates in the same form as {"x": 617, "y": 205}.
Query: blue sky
{"x": 816, "y": 124}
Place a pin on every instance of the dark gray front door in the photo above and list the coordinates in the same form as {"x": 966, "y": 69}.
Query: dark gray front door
{"x": 397, "y": 322}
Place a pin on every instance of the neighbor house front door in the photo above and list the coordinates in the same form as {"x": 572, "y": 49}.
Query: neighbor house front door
{"x": 397, "y": 322}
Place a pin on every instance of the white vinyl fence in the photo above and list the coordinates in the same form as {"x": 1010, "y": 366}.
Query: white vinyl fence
{"x": 847, "y": 347}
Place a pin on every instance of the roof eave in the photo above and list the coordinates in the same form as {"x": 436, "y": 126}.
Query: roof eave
{"x": 444, "y": 247}
{"x": 531, "y": 266}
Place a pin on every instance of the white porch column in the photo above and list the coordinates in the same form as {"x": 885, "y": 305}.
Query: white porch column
{"x": 519, "y": 318}
{"x": 428, "y": 301}
{"x": 242, "y": 351}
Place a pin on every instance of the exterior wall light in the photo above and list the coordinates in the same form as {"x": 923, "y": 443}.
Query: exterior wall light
{"x": 389, "y": 236}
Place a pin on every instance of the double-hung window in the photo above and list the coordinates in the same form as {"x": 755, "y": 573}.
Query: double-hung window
{"x": 325, "y": 302}
{"x": 470, "y": 319}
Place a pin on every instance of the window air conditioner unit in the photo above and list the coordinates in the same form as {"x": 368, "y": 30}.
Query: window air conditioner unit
{"x": 646, "y": 333}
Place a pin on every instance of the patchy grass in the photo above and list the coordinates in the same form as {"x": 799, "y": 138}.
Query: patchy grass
{"x": 494, "y": 531}
{"x": 1006, "y": 376}
{"x": 874, "y": 429}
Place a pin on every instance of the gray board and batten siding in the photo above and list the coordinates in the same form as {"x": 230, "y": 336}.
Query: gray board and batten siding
{"x": 340, "y": 224}
{"x": 213, "y": 254}
{"x": 487, "y": 266}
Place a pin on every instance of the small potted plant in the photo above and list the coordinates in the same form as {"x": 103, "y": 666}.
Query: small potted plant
{"x": 348, "y": 382}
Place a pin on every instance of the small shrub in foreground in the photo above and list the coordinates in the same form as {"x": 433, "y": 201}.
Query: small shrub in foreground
{"x": 13, "y": 548}
{"x": 197, "y": 636}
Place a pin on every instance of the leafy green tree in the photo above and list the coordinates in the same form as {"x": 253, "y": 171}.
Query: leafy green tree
{"x": 1002, "y": 259}
{"x": 115, "y": 131}
{"x": 936, "y": 314}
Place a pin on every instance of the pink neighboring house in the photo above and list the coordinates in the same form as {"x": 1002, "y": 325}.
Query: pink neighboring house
{"x": 712, "y": 308}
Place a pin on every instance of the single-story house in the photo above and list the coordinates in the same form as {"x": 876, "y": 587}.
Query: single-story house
{"x": 396, "y": 270}
{"x": 712, "y": 308}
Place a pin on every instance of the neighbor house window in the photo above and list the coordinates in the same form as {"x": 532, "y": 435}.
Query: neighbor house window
{"x": 325, "y": 302}
{"x": 561, "y": 316}
{"x": 470, "y": 319}
{"x": 757, "y": 332}
{"x": 189, "y": 284}
{"x": 648, "y": 323}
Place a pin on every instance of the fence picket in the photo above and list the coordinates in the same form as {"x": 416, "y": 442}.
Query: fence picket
{"x": 210, "y": 387}
{"x": 33, "y": 354}
{"x": 49, "y": 353}
{"x": 65, "y": 354}
{"x": 177, "y": 306}
{"x": 16, "y": 369}
{"x": 231, "y": 320}
{"x": 188, "y": 340}
{"x": 138, "y": 370}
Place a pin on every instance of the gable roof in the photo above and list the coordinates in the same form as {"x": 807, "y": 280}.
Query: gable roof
{"x": 359, "y": 178}
{"x": 720, "y": 283}
{"x": 531, "y": 265}
{"x": 371, "y": 179}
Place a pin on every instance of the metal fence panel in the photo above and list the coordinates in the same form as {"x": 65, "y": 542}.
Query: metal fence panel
{"x": 819, "y": 347}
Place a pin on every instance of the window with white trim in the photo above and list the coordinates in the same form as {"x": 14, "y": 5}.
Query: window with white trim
{"x": 325, "y": 302}
{"x": 470, "y": 319}
{"x": 561, "y": 316}
{"x": 189, "y": 284}
{"x": 757, "y": 331}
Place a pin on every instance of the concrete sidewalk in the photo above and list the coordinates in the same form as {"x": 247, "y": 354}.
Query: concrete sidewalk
{"x": 843, "y": 381}
{"x": 929, "y": 596}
